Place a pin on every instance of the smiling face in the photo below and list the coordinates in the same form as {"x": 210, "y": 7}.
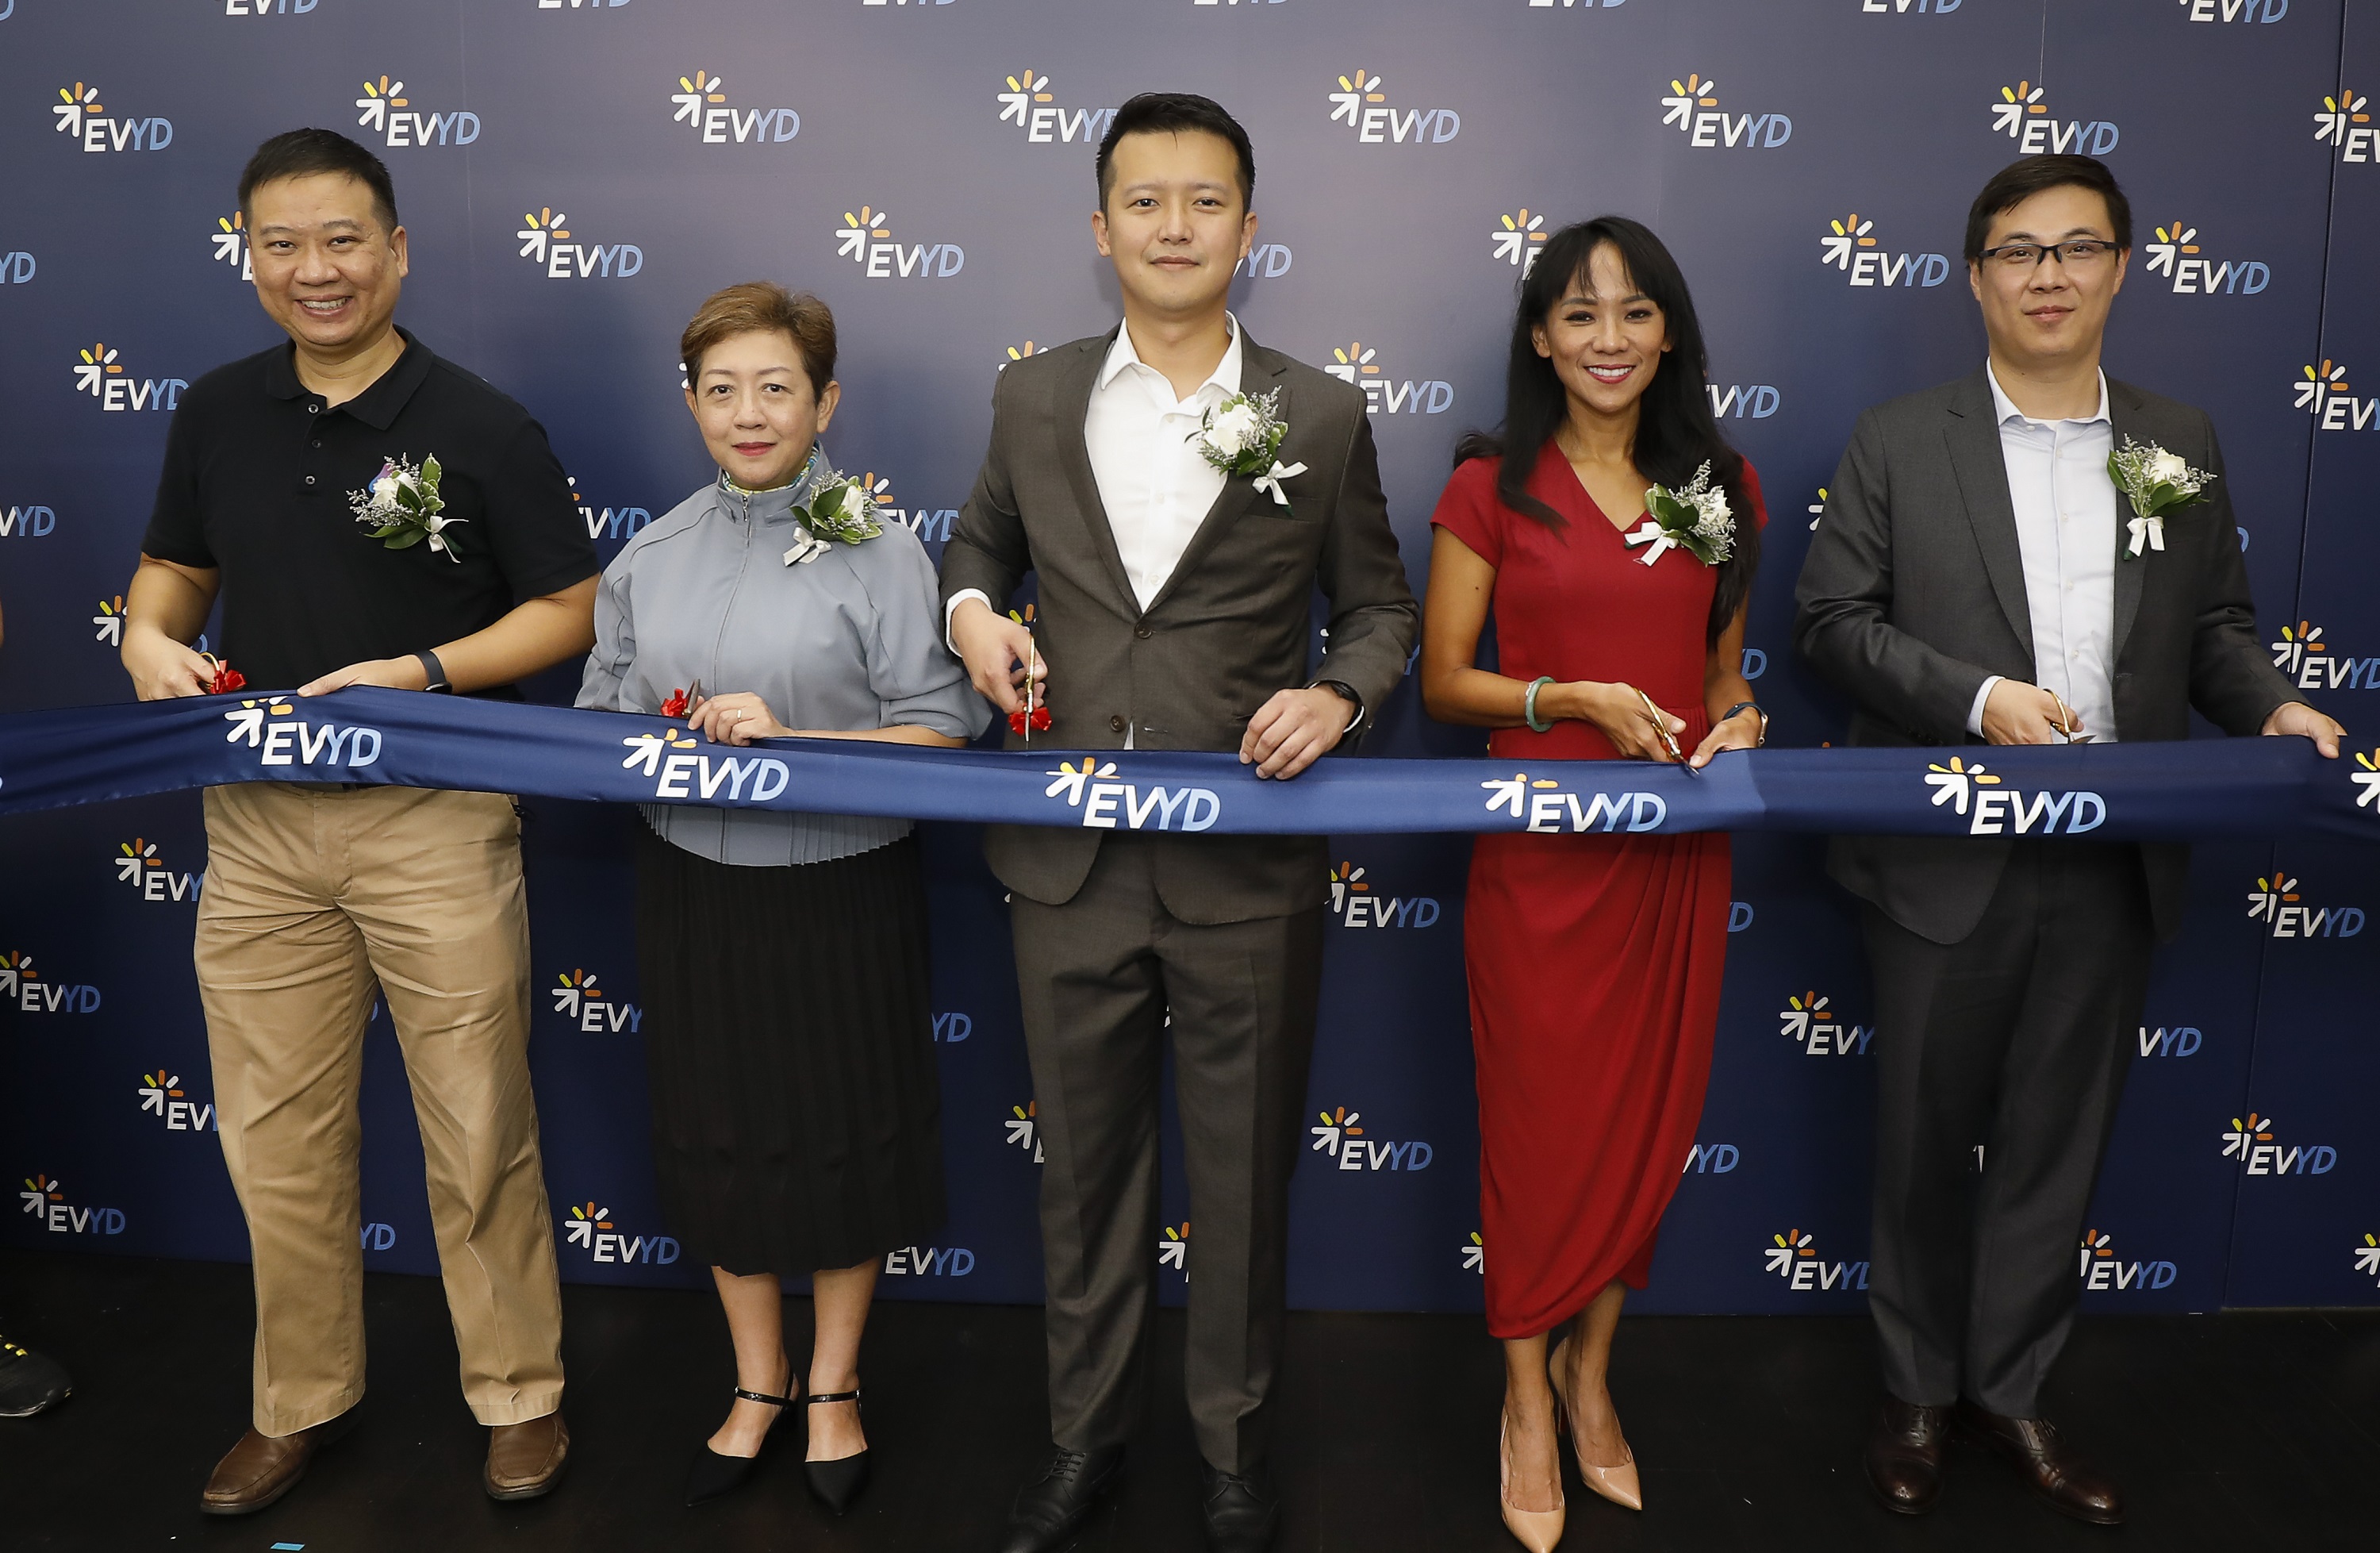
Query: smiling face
{"x": 2051, "y": 313}
{"x": 327, "y": 270}
{"x": 1605, "y": 337}
{"x": 759, "y": 416}
{"x": 1174, "y": 224}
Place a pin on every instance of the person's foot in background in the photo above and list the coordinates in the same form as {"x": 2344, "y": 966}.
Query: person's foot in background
{"x": 30, "y": 1382}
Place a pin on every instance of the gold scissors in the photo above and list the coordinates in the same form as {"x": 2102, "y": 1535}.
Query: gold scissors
{"x": 1668, "y": 740}
{"x": 2065, "y": 723}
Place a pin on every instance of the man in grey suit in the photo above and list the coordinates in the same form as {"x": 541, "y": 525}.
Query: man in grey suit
{"x": 1974, "y": 580}
{"x": 1174, "y": 614}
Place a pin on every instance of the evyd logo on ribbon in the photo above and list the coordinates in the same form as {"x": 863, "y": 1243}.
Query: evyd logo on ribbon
{"x": 1111, "y": 805}
{"x": 700, "y": 104}
{"x": 2022, "y": 117}
{"x": 589, "y": 1007}
{"x": 678, "y": 775}
{"x": 1364, "y": 107}
{"x": 137, "y": 864}
{"x": 1547, "y": 806}
{"x": 99, "y": 374}
{"x": 84, "y": 117}
{"x": 1851, "y": 246}
{"x": 866, "y": 239}
{"x": 272, "y": 728}
{"x": 540, "y": 243}
{"x": 378, "y": 111}
{"x": 1993, "y": 809}
{"x": 1693, "y": 105}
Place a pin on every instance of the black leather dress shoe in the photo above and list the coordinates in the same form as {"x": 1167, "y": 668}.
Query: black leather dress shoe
{"x": 1241, "y": 1511}
{"x": 1051, "y": 1510}
{"x": 1905, "y": 1455}
{"x": 30, "y": 1382}
{"x": 2047, "y": 1463}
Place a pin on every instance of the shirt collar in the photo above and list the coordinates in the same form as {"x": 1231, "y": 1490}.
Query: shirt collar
{"x": 1226, "y": 375}
{"x": 773, "y": 505}
{"x": 2004, "y": 409}
{"x": 377, "y": 406}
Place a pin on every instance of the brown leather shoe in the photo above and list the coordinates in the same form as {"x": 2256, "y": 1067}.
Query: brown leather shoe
{"x": 525, "y": 1461}
{"x": 2049, "y": 1464}
{"x": 261, "y": 1468}
{"x": 1905, "y": 1455}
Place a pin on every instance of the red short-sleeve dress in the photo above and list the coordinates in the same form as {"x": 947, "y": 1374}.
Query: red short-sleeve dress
{"x": 1594, "y": 960}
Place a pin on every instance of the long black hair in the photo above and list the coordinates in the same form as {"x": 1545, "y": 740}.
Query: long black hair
{"x": 1675, "y": 429}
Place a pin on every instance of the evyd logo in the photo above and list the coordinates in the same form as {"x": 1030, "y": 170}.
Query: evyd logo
{"x": 1365, "y": 108}
{"x": 1111, "y": 805}
{"x": 540, "y": 239}
{"x": 1997, "y": 810}
{"x": 2022, "y": 117}
{"x": 590, "y": 1009}
{"x": 376, "y": 110}
{"x": 99, "y": 374}
{"x": 1023, "y": 1124}
{"x": 160, "y": 1096}
{"x": 2234, "y": 10}
{"x": 1547, "y": 806}
{"x": 1517, "y": 239}
{"x": 81, "y": 115}
{"x": 230, "y": 237}
{"x": 281, "y": 7}
{"x": 611, "y": 522}
{"x": 21, "y": 987}
{"x": 281, "y": 737}
{"x": 2102, "y": 1273}
{"x": 2307, "y": 660}
{"x": 1794, "y": 1258}
{"x": 865, "y": 239}
{"x": 137, "y": 864}
{"x": 45, "y": 1199}
{"x": 2274, "y": 901}
{"x": 27, "y": 522}
{"x": 1353, "y": 903}
{"x": 1340, "y": 1137}
{"x": 701, "y": 104}
{"x": 2345, "y": 122}
{"x": 1030, "y": 105}
{"x": 930, "y": 1261}
{"x": 1359, "y": 363}
{"x": 1810, "y": 1023}
{"x": 1851, "y": 246}
{"x": 2253, "y": 1144}
{"x": 17, "y": 268}
{"x": 591, "y": 1229}
{"x": 2174, "y": 256}
{"x": 2323, "y": 392}
{"x": 1693, "y": 105}
{"x": 1759, "y": 400}
{"x": 931, "y": 524}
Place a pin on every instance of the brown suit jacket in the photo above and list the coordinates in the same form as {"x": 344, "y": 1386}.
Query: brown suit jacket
{"x": 1913, "y": 593}
{"x": 1231, "y": 627}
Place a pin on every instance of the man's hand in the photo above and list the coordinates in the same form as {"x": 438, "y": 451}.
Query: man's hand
{"x": 2016, "y": 713}
{"x": 397, "y": 674}
{"x": 996, "y": 651}
{"x": 2296, "y": 717}
{"x": 1295, "y": 729}
{"x": 163, "y": 668}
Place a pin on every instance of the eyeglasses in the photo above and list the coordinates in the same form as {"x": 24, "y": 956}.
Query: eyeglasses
{"x": 2081, "y": 252}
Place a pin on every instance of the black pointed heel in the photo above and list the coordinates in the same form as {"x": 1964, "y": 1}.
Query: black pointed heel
{"x": 837, "y": 1484}
{"x": 712, "y": 1476}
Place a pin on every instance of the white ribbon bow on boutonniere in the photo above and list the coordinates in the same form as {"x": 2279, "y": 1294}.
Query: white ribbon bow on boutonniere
{"x": 1270, "y": 480}
{"x": 1242, "y": 436}
{"x": 1694, "y": 518}
{"x": 2155, "y": 482}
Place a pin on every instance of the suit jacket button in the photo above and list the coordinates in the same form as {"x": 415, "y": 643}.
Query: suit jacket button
{"x": 1116, "y": 724}
{"x": 1142, "y": 632}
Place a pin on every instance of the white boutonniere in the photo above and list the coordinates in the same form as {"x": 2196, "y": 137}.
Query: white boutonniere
{"x": 1694, "y": 518}
{"x": 1241, "y": 436}
{"x": 401, "y": 506}
{"x": 2155, "y": 482}
{"x": 838, "y": 510}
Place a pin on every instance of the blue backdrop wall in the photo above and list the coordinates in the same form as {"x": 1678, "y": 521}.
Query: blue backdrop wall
{"x": 577, "y": 175}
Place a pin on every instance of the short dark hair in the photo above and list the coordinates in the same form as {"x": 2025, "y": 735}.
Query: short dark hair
{"x": 2022, "y": 179}
{"x": 1164, "y": 113}
{"x": 304, "y": 153}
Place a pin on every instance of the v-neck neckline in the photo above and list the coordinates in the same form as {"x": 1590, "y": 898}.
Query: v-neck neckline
{"x": 1588, "y": 496}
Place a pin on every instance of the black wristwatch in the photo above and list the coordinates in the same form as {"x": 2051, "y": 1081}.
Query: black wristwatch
{"x": 1346, "y": 693}
{"x": 435, "y": 672}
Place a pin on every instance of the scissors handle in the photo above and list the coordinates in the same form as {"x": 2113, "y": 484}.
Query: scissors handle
{"x": 1668, "y": 740}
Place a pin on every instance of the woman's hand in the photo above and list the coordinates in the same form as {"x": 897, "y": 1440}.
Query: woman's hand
{"x": 1619, "y": 709}
{"x": 1739, "y": 733}
{"x": 734, "y": 719}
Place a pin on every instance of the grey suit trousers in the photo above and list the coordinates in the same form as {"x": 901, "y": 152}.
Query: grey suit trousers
{"x": 2017, "y": 1038}
{"x": 1099, "y": 975}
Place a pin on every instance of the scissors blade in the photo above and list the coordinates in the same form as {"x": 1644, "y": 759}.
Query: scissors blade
{"x": 693, "y": 695}
{"x": 1668, "y": 739}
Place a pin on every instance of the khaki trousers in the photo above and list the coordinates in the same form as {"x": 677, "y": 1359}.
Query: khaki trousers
{"x": 315, "y": 895}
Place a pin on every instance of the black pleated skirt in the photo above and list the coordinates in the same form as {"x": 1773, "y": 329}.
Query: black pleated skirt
{"x": 789, "y": 1041}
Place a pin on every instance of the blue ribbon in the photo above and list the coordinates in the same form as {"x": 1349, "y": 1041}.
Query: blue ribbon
{"x": 2237, "y": 786}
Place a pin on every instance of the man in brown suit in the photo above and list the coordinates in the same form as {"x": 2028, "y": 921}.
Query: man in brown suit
{"x": 1175, "y": 605}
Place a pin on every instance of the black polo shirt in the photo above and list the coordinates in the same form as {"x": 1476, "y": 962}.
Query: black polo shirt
{"x": 258, "y": 473}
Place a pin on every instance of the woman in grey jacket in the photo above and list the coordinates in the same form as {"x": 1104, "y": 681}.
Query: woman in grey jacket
{"x": 796, "y": 1119}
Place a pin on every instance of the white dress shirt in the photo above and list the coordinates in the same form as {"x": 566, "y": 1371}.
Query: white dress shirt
{"x": 2065, "y": 506}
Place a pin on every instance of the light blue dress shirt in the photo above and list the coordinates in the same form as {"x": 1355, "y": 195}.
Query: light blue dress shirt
{"x": 845, "y": 641}
{"x": 2065, "y": 506}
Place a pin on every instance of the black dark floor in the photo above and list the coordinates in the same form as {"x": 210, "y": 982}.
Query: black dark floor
{"x": 2244, "y": 1432}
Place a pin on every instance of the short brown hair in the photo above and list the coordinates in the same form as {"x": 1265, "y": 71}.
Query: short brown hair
{"x": 762, "y": 307}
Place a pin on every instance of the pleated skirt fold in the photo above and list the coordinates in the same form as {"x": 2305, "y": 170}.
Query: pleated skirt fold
{"x": 789, "y": 1046}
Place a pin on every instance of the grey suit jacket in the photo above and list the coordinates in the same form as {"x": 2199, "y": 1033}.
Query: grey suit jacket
{"x": 1229, "y": 629}
{"x": 1913, "y": 593}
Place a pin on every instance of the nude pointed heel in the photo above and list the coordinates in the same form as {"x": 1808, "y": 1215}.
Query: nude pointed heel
{"x": 1539, "y": 1531}
{"x": 1619, "y": 1484}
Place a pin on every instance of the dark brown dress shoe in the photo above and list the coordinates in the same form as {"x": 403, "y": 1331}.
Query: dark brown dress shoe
{"x": 1905, "y": 1455}
{"x": 525, "y": 1461}
{"x": 261, "y": 1468}
{"x": 2049, "y": 1464}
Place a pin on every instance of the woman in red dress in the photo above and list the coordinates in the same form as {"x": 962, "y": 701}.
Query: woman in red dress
{"x": 1594, "y": 960}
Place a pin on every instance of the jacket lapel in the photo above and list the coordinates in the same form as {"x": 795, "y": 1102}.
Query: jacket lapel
{"x": 1975, "y": 458}
{"x": 1074, "y": 407}
{"x": 2132, "y": 575}
{"x": 1260, "y": 372}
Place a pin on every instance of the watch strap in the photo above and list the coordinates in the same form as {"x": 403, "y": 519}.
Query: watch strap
{"x": 435, "y": 672}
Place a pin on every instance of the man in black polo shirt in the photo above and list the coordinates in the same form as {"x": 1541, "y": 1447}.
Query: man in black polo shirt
{"x": 319, "y": 897}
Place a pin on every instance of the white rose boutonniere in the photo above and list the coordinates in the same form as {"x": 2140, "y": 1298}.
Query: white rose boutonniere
{"x": 838, "y": 510}
{"x": 402, "y": 508}
{"x": 2155, "y": 482}
{"x": 1241, "y": 436}
{"x": 1694, "y": 518}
